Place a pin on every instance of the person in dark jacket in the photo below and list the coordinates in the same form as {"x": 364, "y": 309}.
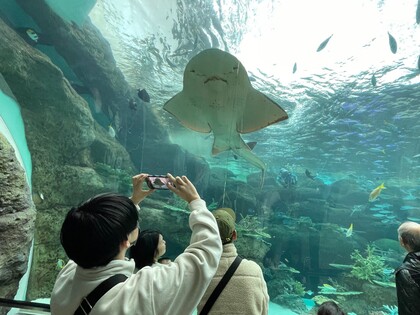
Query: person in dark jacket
{"x": 407, "y": 276}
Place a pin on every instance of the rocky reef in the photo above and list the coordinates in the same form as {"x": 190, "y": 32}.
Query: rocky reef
{"x": 17, "y": 219}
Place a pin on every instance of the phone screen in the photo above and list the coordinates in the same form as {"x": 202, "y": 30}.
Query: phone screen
{"x": 157, "y": 181}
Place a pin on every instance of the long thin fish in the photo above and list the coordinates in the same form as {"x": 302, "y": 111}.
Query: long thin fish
{"x": 392, "y": 43}
{"x": 324, "y": 43}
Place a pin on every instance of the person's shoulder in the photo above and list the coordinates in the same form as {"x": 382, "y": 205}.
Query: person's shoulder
{"x": 250, "y": 266}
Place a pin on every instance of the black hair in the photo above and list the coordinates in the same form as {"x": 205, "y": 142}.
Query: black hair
{"x": 92, "y": 233}
{"x": 144, "y": 251}
{"x": 329, "y": 308}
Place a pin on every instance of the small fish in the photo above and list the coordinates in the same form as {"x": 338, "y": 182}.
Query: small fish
{"x": 373, "y": 80}
{"x": 406, "y": 208}
{"x": 252, "y": 79}
{"x": 324, "y": 43}
{"x": 392, "y": 43}
{"x": 309, "y": 292}
{"x": 60, "y": 264}
{"x": 41, "y": 195}
{"x": 349, "y": 230}
{"x": 294, "y": 67}
{"x": 251, "y": 146}
{"x": 143, "y": 95}
{"x": 416, "y": 156}
{"x": 111, "y": 131}
{"x": 32, "y": 35}
{"x": 132, "y": 104}
{"x": 375, "y": 193}
{"x": 309, "y": 174}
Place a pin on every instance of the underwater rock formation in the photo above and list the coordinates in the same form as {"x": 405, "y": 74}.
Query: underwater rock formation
{"x": 17, "y": 218}
{"x": 62, "y": 137}
{"x": 90, "y": 57}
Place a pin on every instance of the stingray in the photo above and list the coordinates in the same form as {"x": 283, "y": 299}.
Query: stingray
{"x": 218, "y": 97}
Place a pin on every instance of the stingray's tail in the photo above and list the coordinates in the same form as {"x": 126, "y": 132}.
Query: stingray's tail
{"x": 242, "y": 150}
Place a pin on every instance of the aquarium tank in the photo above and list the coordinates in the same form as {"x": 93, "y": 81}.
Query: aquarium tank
{"x": 302, "y": 116}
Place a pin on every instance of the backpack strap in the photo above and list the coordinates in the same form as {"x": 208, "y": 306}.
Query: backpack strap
{"x": 219, "y": 288}
{"x": 89, "y": 301}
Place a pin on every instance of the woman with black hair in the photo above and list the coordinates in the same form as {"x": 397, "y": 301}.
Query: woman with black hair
{"x": 149, "y": 247}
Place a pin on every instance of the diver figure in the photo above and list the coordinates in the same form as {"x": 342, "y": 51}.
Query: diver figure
{"x": 287, "y": 179}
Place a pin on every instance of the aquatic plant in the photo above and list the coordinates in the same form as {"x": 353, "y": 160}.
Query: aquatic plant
{"x": 326, "y": 289}
{"x": 384, "y": 284}
{"x": 298, "y": 288}
{"x": 369, "y": 267}
{"x": 251, "y": 225}
{"x": 213, "y": 205}
{"x": 390, "y": 309}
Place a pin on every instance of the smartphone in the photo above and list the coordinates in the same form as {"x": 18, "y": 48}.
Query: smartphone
{"x": 157, "y": 181}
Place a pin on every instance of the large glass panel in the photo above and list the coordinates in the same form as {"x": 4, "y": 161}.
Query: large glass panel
{"x": 302, "y": 116}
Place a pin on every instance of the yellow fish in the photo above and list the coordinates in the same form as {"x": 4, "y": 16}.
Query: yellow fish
{"x": 375, "y": 193}
{"x": 349, "y": 231}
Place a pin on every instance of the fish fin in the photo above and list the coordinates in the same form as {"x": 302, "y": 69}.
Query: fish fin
{"x": 259, "y": 112}
{"x": 188, "y": 115}
{"x": 251, "y": 145}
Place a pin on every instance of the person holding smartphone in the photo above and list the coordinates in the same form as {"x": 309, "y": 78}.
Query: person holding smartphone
{"x": 96, "y": 236}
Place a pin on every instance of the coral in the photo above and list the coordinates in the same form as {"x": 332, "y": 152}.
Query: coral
{"x": 288, "y": 292}
{"x": 367, "y": 268}
{"x": 213, "y": 205}
{"x": 327, "y": 289}
{"x": 319, "y": 299}
{"x": 390, "y": 309}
